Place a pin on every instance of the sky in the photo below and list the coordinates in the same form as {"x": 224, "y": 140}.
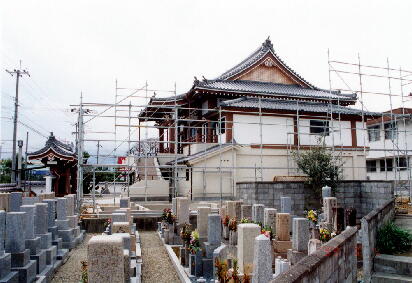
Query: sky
{"x": 73, "y": 47}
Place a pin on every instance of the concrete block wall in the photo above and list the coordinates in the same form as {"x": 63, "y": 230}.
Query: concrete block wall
{"x": 362, "y": 195}
{"x": 333, "y": 262}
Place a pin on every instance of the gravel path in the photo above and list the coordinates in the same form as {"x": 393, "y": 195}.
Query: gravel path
{"x": 157, "y": 267}
{"x": 71, "y": 271}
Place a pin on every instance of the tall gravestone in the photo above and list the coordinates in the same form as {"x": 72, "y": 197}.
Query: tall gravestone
{"x": 202, "y": 222}
{"x": 246, "y": 235}
{"x": 15, "y": 201}
{"x": 285, "y": 205}
{"x": 246, "y": 211}
{"x": 262, "y": 260}
{"x": 6, "y": 275}
{"x": 258, "y": 213}
{"x": 326, "y": 192}
{"x": 65, "y": 232}
{"x": 15, "y": 245}
{"x": 42, "y": 230}
{"x": 282, "y": 241}
{"x": 269, "y": 218}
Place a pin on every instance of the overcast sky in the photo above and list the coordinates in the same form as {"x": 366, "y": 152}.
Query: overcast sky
{"x": 83, "y": 46}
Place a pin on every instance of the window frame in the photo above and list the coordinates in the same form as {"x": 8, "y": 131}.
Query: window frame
{"x": 377, "y": 133}
{"x": 371, "y": 165}
{"x": 322, "y": 129}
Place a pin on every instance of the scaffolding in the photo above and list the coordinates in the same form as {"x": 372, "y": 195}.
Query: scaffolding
{"x": 142, "y": 160}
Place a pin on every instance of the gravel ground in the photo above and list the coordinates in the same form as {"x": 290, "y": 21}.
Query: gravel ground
{"x": 71, "y": 271}
{"x": 157, "y": 267}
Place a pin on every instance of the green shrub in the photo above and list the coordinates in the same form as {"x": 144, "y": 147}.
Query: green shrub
{"x": 392, "y": 239}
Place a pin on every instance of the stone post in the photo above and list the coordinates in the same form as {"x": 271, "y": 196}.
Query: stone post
{"x": 262, "y": 261}
{"x": 105, "y": 259}
{"x": 182, "y": 204}
{"x": 246, "y": 235}
{"x": 15, "y": 201}
{"x": 246, "y": 211}
{"x": 329, "y": 203}
{"x": 269, "y": 218}
{"x": 202, "y": 222}
{"x": 285, "y": 205}
{"x": 258, "y": 213}
{"x": 49, "y": 181}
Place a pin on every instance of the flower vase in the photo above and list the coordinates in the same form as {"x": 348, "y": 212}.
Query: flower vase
{"x": 233, "y": 238}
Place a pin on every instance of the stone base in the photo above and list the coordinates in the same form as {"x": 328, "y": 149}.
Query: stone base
{"x": 11, "y": 277}
{"x": 207, "y": 268}
{"x": 48, "y": 273}
{"x": 63, "y": 224}
{"x": 73, "y": 221}
{"x": 5, "y": 265}
{"x": 51, "y": 254}
{"x": 33, "y": 245}
{"x": 57, "y": 243}
{"x": 281, "y": 246}
{"x": 67, "y": 238}
{"x": 295, "y": 256}
{"x": 57, "y": 264}
{"x": 209, "y": 248}
{"x": 54, "y": 230}
{"x": 27, "y": 273}
{"x": 40, "y": 259}
{"x": 62, "y": 254}
{"x": 20, "y": 259}
{"x": 45, "y": 240}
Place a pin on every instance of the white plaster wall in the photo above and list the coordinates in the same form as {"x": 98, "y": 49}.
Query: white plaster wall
{"x": 340, "y": 133}
{"x": 246, "y": 129}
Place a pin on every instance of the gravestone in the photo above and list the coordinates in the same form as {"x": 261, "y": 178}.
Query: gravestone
{"x": 246, "y": 235}
{"x": 329, "y": 204}
{"x": 15, "y": 201}
{"x": 15, "y": 245}
{"x": 214, "y": 232}
{"x": 262, "y": 261}
{"x": 258, "y": 213}
{"x": 300, "y": 235}
{"x": 6, "y": 275}
{"x": 202, "y": 222}
{"x": 246, "y": 211}
{"x": 269, "y": 218}
{"x": 326, "y": 192}
{"x": 351, "y": 216}
{"x": 30, "y": 200}
{"x": 65, "y": 232}
{"x": 285, "y": 205}
{"x": 105, "y": 259}
{"x": 182, "y": 206}
{"x": 234, "y": 208}
{"x": 124, "y": 202}
{"x": 41, "y": 222}
{"x": 282, "y": 226}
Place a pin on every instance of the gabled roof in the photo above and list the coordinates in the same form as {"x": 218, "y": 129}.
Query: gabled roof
{"x": 289, "y": 105}
{"x": 56, "y": 148}
{"x": 272, "y": 89}
{"x": 265, "y": 49}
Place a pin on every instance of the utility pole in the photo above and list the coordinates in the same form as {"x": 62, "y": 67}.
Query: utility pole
{"x": 25, "y": 161}
{"x": 98, "y": 149}
{"x": 19, "y": 160}
{"x": 19, "y": 73}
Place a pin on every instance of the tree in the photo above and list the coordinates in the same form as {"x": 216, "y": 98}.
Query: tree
{"x": 321, "y": 167}
{"x": 5, "y": 171}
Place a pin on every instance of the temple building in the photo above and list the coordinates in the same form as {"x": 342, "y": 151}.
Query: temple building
{"x": 62, "y": 160}
{"x": 244, "y": 125}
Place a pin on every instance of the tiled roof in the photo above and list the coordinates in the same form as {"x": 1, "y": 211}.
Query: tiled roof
{"x": 169, "y": 98}
{"x": 277, "y": 104}
{"x": 273, "y": 89}
{"x": 57, "y": 146}
{"x": 202, "y": 153}
{"x": 264, "y": 49}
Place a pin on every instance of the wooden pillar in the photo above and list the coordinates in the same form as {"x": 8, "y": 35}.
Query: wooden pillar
{"x": 295, "y": 130}
{"x": 161, "y": 140}
{"x": 229, "y": 127}
{"x": 353, "y": 133}
{"x": 172, "y": 139}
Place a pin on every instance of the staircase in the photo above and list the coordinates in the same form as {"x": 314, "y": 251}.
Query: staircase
{"x": 151, "y": 170}
{"x": 393, "y": 268}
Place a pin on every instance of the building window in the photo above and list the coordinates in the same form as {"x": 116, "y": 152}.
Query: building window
{"x": 319, "y": 127}
{"x": 193, "y": 132}
{"x": 386, "y": 166}
{"x": 187, "y": 174}
{"x": 370, "y": 165}
{"x": 374, "y": 133}
{"x": 222, "y": 125}
{"x": 402, "y": 163}
{"x": 390, "y": 131}
{"x": 204, "y": 132}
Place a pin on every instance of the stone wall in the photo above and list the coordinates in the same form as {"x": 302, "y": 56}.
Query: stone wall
{"x": 370, "y": 225}
{"x": 333, "y": 262}
{"x": 362, "y": 195}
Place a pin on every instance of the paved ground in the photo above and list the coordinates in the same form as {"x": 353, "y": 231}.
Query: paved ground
{"x": 71, "y": 271}
{"x": 157, "y": 267}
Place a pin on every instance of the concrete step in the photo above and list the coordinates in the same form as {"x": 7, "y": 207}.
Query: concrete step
{"x": 380, "y": 277}
{"x": 400, "y": 265}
